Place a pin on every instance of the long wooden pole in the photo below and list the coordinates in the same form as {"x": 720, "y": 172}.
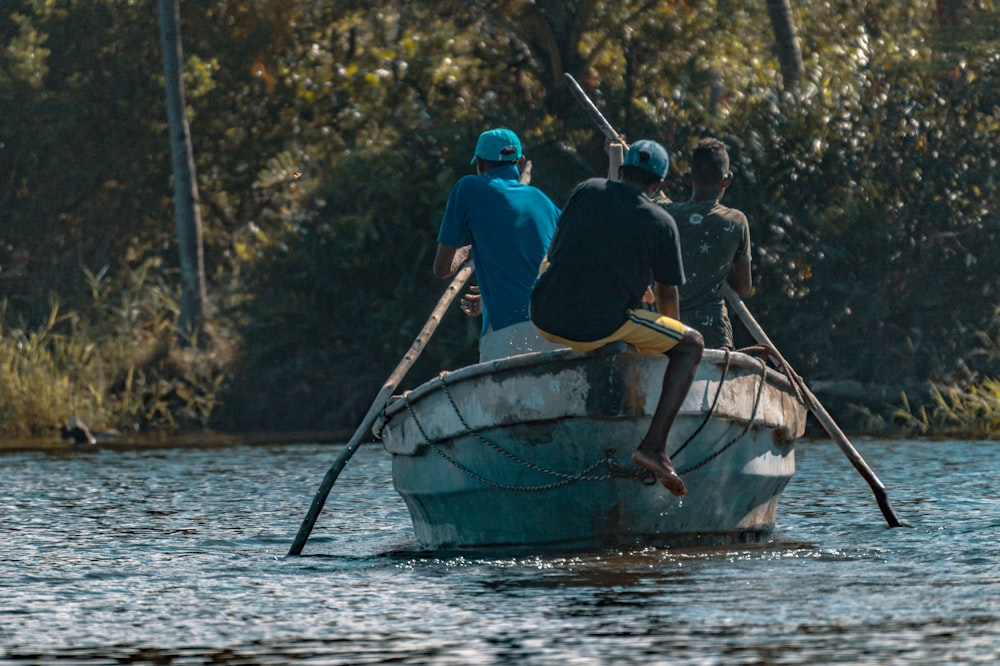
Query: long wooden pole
{"x": 378, "y": 404}
{"x": 831, "y": 427}
{"x": 610, "y": 133}
{"x": 595, "y": 114}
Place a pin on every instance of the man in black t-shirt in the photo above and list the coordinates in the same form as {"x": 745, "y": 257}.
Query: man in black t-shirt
{"x": 611, "y": 239}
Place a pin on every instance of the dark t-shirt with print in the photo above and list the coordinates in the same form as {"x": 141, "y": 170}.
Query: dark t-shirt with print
{"x": 713, "y": 238}
{"x": 610, "y": 243}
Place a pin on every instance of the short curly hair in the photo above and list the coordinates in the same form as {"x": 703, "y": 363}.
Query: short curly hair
{"x": 709, "y": 161}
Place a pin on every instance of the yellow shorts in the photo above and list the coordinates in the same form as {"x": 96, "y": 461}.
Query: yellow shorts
{"x": 649, "y": 332}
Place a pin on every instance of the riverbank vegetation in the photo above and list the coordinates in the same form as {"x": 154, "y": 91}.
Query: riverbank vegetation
{"x": 114, "y": 365}
{"x": 328, "y": 135}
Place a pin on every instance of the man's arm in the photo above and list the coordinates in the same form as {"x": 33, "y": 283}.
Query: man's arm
{"x": 449, "y": 259}
{"x": 739, "y": 278}
{"x": 668, "y": 300}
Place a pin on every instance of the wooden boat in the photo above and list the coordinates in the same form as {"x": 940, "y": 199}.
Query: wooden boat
{"x": 534, "y": 451}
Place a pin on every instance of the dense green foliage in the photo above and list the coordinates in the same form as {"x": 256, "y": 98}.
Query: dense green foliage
{"x": 327, "y": 137}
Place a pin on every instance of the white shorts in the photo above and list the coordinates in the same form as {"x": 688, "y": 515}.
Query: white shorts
{"x": 513, "y": 340}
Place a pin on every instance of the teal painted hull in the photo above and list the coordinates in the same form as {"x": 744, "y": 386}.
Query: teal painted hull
{"x": 534, "y": 451}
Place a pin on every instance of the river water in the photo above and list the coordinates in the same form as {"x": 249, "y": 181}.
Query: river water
{"x": 178, "y": 556}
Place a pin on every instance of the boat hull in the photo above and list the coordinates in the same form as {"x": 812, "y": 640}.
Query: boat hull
{"x": 535, "y": 451}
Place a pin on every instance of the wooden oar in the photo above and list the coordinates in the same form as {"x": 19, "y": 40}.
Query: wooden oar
{"x": 610, "y": 133}
{"x": 378, "y": 404}
{"x": 831, "y": 427}
{"x": 595, "y": 114}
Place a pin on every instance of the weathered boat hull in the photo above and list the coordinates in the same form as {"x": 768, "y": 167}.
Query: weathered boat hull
{"x": 535, "y": 451}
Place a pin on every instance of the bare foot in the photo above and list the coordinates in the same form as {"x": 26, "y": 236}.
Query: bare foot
{"x": 660, "y": 465}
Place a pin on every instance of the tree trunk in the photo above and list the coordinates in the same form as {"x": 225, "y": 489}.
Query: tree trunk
{"x": 785, "y": 41}
{"x": 552, "y": 30}
{"x": 192, "y": 256}
{"x": 953, "y": 13}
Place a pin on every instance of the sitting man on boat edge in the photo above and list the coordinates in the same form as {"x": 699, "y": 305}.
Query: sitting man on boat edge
{"x": 715, "y": 241}
{"x": 610, "y": 239}
{"x": 510, "y": 224}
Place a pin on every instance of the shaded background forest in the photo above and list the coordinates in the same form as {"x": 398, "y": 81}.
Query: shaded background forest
{"x": 327, "y": 136}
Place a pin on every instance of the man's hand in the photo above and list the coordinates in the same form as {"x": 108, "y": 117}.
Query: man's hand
{"x": 472, "y": 302}
{"x": 449, "y": 259}
{"x": 616, "y": 150}
{"x": 525, "y": 171}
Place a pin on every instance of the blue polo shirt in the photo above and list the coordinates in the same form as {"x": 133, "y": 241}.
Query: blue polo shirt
{"x": 510, "y": 225}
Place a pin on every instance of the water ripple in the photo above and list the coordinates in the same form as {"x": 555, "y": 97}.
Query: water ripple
{"x": 178, "y": 556}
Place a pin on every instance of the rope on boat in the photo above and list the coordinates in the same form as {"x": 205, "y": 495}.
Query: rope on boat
{"x": 753, "y": 413}
{"x": 615, "y": 470}
{"x": 770, "y": 353}
{"x": 711, "y": 410}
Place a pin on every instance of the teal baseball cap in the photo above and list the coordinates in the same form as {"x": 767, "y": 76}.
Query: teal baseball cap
{"x": 498, "y": 145}
{"x": 648, "y": 155}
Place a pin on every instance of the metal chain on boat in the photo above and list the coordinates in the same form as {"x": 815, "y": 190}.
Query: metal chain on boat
{"x": 753, "y": 413}
{"x": 502, "y": 451}
{"x": 614, "y": 469}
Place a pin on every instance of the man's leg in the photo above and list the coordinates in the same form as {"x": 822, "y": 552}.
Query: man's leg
{"x": 652, "y": 451}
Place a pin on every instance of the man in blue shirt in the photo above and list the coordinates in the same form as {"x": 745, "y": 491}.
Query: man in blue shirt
{"x": 510, "y": 225}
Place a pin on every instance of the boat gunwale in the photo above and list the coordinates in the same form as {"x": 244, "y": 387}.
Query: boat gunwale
{"x": 397, "y": 403}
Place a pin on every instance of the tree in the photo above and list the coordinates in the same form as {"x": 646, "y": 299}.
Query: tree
{"x": 188, "y": 216}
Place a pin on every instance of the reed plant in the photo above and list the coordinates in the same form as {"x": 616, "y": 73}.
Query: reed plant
{"x": 115, "y": 364}
{"x": 970, "y": 412}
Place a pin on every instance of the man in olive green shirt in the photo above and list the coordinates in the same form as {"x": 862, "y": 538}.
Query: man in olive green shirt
{"x": 715, "y": 244}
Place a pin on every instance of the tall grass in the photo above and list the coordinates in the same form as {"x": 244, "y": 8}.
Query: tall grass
{"x": 114, "y": 364}
{"x": 970, "y": 412}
